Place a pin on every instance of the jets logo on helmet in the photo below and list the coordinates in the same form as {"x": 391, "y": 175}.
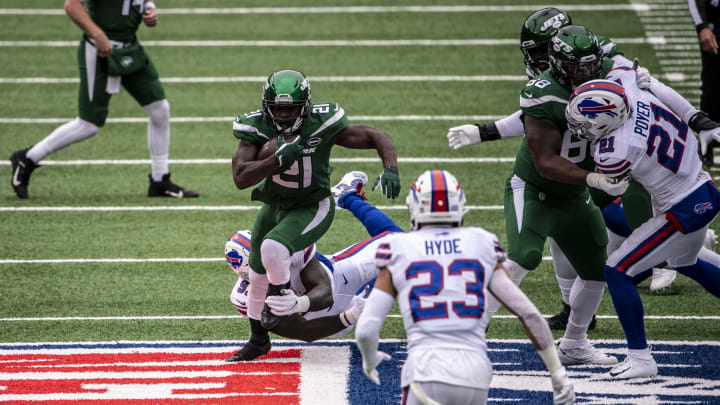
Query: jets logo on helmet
{"x": 436, "y": 197}
{"x": 597, "y": 108}
{"x": 537, "y": 30}
{"x": 575, "y": 56}
{"x": 286, "y": 101}
{"x": 237, "y": 253}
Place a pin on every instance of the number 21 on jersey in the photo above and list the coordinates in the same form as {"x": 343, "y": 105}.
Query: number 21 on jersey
{"x": 440, "y": 280}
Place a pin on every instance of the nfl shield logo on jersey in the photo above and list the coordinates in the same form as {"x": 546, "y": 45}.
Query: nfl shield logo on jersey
{"x": 126, "y": 61}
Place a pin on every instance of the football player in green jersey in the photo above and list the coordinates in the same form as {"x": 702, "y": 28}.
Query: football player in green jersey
{"x": 535, "y": 36}
{"x": 109, "y": 55}
{"x": 294, "y": 182}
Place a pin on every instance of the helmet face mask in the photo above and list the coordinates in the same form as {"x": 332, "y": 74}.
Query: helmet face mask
{"x": 535, "y": 35}
{"x": 575, "y": 56}
{"x": 286, "y": 101}
{"x": 436, "y": 197}
{"x": 597, "y": 108}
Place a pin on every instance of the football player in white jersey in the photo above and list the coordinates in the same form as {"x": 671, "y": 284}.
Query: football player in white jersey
{"x": 637, "y": 135}
{"x": 326, "y": 294}
{"x": 441, "y": 274}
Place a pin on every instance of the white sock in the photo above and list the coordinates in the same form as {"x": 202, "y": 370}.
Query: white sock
{"x": 64, "y": 135}
{"x": 640, "y": 353}
{"x": 516, "y": 273}
{"x": 158, "y": 114}
{"x": 584, "y": 301}
{"x": 276, "y": 260}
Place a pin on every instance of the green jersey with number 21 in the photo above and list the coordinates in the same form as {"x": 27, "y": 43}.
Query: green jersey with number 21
{"x": 307, "y": 181}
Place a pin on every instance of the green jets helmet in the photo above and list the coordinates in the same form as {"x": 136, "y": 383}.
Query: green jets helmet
{"x": 575, "y": 56}
{"x": 286, "y": 101}
{"x": 535, "y": 35}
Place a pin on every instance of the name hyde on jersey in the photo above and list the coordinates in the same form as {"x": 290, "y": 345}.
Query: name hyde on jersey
{"x": 442, "y": 247}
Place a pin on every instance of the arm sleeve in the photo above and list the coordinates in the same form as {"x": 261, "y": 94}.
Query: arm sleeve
{"x": 698, "y": 14}
{"x": 511, "y": 126}
{"x": 374, "y": 220}
{"x": 613, "y": 166}
{"x": 673, "y": 99}
{"x": 517, "y": 302}
{"x": 367, "y": 330}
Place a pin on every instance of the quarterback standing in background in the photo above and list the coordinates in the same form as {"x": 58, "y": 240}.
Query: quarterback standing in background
{"x": 441, "y": 274}
{"x": 294, "y": 181}
{"x": 635, "y": 134}
{"x": 109, "y": 56}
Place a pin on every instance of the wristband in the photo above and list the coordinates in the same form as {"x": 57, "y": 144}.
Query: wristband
{"x": 550, "y": 358}
{"x": 303, "y": 303}
{"x": 488, "y": 132}
{"x": 148, "y": 5}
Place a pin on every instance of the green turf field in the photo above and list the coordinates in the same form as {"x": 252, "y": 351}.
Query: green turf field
{"x": 86, "y": 205}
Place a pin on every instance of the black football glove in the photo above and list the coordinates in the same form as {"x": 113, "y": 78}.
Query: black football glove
{"x": 708, "y": 132}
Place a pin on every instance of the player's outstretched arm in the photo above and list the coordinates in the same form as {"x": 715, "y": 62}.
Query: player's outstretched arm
{"x": 249, "y": 168}
{"x": 297, "y": 327}
{"x": 537, "y": 330}
{"x": 367, "y": 332}
{"x": 471, "y": 134}
{"x": 363, "y": 136}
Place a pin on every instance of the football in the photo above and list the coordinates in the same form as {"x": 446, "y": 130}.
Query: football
{"x": 269, "y": 148}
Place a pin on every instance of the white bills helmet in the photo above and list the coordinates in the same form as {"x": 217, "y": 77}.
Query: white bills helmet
{"x": 237, "y": 253}
{"x": 436, "y": 197}
{"x": 597, "y": 108}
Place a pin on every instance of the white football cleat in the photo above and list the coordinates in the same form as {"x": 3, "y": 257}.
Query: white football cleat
{"x": 585, "y": 353}
{"x": 662, "y": 278}
{"x": 634, "y": 367}
{"x": 710, "y": 240}
{"x": 352, "y": 181}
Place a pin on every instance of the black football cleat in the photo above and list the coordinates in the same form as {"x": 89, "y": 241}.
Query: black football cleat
{"x": 22, "y": 168}
{"x": 250, "y": 351}
{"x": 560, "y": 320}
{"x": 166, "y": 188}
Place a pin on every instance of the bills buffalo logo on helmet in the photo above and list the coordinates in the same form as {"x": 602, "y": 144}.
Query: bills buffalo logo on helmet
{"x": 591, "y": 108}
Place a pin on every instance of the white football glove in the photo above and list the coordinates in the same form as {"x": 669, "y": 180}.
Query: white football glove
{"x": 708, "y": 136}
{"x": 563, "y": 391}
{"x": 288, "y": 303}
{"x": 643, "y": 79}
{"x": 464, "y": 135}
{"x": 370, "y": 364}
{"x": 352, "y": 315}
{"x": 611, "y": 185}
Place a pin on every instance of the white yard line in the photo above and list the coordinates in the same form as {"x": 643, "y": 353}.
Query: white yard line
{"x": 314, "y": 79}
{"x": 143, "y": 120}
{"x": 356, "y": 9}
{"x": 310, "y": 43}
{"x": 113, "y": 162}
{"x": 187, "y": 208}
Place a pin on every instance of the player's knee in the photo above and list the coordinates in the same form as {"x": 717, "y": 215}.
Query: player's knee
{"x": 274, "y": 254}
{"x": 614, "y": 276}
{"x": 529, "y": 260}
{"x": 158, "y": 111}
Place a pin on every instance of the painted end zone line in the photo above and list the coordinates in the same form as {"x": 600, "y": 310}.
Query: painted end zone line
{"x": 196, "y": 208}
{"x": 210, "y": 317}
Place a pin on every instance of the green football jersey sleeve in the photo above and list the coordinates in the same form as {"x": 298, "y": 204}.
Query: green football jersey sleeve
{"x": 307, "y": 181}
